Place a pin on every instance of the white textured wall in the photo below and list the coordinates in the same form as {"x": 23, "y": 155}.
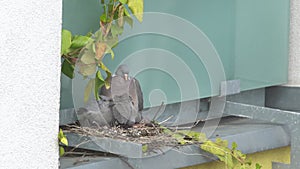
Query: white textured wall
{"x": 29, "y": 83}
{"x": 294, "y": 67}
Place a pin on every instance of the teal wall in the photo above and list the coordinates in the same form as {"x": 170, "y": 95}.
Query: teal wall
{"x": 261, "y": 42}
{"x": 80, "y": 17}
{"x": 250, "y": 36}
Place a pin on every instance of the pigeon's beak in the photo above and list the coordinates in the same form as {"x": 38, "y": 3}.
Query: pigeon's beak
{"x": 126, "y": 76}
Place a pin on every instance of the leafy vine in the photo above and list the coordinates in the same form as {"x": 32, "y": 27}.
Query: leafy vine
{"x": 87, "y": 51}
{"x": 232, "y": 157}
{"x": 62, "y": 141}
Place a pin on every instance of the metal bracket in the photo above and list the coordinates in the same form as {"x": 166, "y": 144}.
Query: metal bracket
{"x": 289, "y": 118}
{"x": 230, "y": 87}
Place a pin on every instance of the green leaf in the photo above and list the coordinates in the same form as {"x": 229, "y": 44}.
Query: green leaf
{"x": 166, "y": 130}
{"x": 231, "y": 157}
{"x": 223, "y": 153}
{"x": 66, "y": 37}
{"x": 195, "y": 136}
{"x": 99, "y": 82}
{"x": 129, "y": 21}
{"x": 137, "y": 8}
{"x": 179, "y": 138}
{"x": 258, "y": 166}
{"x": 60, "y": 134}
{"x": 64, "y": 140}
{"x": 116, "y": 30}
{"x": 145, "y": 148}
{"x": 213, "y": 148}
{"x": 112, "y": 41}
{"x": 87, "y": 69}
{"x": 128, "y": 18}
{"x": 88, "y": 90}
{"x": 89, "y": 34}
{"x": 61, "y": 151}
{"x": 123, "y": 1}
{"x": 79, "y": 41}
{"x": 109, "y": 50}
{"x": 108, "y": 75}
{"x": 87, "y": 63}
{"x": 88, "y": 57}
{"x": 127, "y": 13}
{"x": 100, "y": 49}
{"x": 234, "y": 145}
{"x": 68, "y": 69}
{"x": 103, "y": 18}
{"x": 110, "y": 7}
{"x": 98, "y": 36}
{"x": 223, "y": 143}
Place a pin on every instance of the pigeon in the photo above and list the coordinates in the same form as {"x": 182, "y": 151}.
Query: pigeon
{"x": 126, "y": 95}
{"x": 96, "y": 113}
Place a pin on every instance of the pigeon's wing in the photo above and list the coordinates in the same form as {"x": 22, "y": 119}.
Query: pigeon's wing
{"x": 136, "y": 97}
{"x": 123, "y": 110}
{"x": 139, "y": 94}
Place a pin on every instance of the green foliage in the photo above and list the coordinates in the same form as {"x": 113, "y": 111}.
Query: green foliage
{"x": 137, "y": 8}
{"x": 79, "y": 41}
{"x": 62, "y": 139}
{"x": 87, "y": 51}
{"x": 88, "y": 89}
{"x": 193, "y": 135}
{"x": 186, "y": 136}
{"x": 258, "y": 166}
{"x": 68, "y": 68}
{"x": 145, "y": 148}
{"x": 99, "y": 82}
{"x": 116, "y": 30}
{"x": 61, "y": 151}
{"x": 232, "y": 157}
{"x": 123, "y": 1}
{"x": 66, "y": 37}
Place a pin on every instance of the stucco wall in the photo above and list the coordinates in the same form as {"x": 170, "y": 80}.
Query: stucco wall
{"x": 294, "y": 67}
{"x": 30, "y": 83}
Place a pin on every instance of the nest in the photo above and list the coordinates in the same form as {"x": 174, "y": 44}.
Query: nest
{"x": 151, "y": 135}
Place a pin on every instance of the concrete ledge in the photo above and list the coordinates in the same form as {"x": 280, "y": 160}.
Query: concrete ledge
{"x": 243, "y": 131}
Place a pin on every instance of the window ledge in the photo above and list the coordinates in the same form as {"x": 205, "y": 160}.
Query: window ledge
{"x": 250, "y": 135}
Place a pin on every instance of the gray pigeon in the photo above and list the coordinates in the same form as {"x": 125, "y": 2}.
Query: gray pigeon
{"x": 135, "y": 91}
{"x": 96, "y": 113}
{"x": 127, "y": 97}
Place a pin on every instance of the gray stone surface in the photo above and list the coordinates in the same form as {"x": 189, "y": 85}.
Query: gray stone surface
{"x": 119, "y": 147}
{"x": 243, "y": 131}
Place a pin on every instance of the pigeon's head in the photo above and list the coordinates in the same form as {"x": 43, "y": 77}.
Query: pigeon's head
{"x": 123, "y": 71}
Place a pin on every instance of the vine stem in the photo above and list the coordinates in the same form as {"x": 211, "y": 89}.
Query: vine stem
{"x": 111, "y": 18}
{"x": 238, "y": 159}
